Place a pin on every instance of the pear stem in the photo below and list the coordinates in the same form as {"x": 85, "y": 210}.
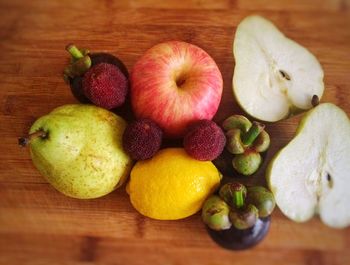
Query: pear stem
{"x": 315, "y": 100}
{"x": 253, "y": 133}
{"x": 24, "y": 141}
{"x": 74, "y": 51}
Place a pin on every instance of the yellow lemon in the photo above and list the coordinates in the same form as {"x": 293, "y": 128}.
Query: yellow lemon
{"x": 171, "y": 185}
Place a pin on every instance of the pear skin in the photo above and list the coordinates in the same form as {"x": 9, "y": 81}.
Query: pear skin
{"x": 81, "y": 154}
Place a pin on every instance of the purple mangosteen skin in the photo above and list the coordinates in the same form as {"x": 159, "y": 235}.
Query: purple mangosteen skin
{"x": 236, "y": 239}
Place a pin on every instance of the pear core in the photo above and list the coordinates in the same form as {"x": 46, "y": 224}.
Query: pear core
{"x": 274, "y": 76}
{"x": 311, "y": 174}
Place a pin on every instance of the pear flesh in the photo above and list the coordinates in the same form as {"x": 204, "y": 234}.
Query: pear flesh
{"x": 311, "y": 175}
{"x": 274, "y": 76}
{"x": 81, "y": 154}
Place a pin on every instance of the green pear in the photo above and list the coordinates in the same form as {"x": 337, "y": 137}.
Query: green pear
{"x": 78, "y": 149}
{"x": 311, "y": 174}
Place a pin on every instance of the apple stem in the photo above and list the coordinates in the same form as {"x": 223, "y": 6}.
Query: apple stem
{"x": 74, "y": 51}
{"x": 24, "y": 141}
{"x": 315, "y": 100}
{"x": 254, "y": 131}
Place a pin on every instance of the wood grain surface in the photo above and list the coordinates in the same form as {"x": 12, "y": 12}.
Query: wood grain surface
{"x": 38, "y": 225}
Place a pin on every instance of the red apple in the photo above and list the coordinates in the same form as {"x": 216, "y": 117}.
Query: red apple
{"x": 175, "y": 83}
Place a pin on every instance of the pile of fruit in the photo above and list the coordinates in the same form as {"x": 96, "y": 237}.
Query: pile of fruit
{"x": 174, "y": 90}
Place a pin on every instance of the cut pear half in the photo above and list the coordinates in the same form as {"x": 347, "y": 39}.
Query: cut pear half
{"x": 311, "y": 175}
{"x": 274, "y": 76}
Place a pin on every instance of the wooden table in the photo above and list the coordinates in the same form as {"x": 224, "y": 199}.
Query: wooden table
{"x": 38, "y": 225}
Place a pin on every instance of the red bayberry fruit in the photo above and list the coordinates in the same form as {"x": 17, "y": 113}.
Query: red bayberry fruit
{"x": 105, "y": 85}
{"x": 142, "y": 139}
{"x": 204, "y": 140}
